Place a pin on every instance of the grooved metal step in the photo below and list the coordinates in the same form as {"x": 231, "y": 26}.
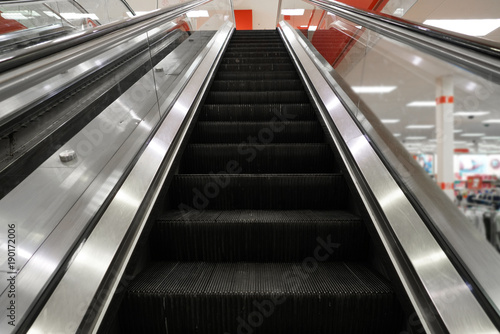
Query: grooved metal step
{"x": 273, "y": 132}
{"x": 257, "y": 97}
{"x": 256, "y": 67}
{"x": 256, "y": 85}
{"x": 250, "y": 60}
{"x": 241, "y": 75}
{"x": 257, "y": 112}
{"x": 258, "y": 191}
{"x": 258, "y": 236}
{"x": 251, "y": 158}
{"x": 197, "y": 297}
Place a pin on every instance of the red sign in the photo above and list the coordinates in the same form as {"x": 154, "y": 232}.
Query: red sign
{"x": 474, "y": 182}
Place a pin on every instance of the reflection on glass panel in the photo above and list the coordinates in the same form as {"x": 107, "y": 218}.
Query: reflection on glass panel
{"x": 27, "y": 24}
{"x": 471, "y": 18}
{"x": 191, "y": 33}
{"x": 446, "y": 117}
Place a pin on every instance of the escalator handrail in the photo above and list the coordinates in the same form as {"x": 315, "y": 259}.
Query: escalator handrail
{"x": 9, "y": 61}
{"x": 475, "y": 54}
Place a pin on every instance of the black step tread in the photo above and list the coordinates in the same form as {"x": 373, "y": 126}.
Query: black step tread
{"x": 256, "y": 85}
{"x": 335, "y": 297}
{"x": 233, "y": 191}
{"x": 262, "y": 43}
{"x": 247, "y": 97}
{"x": 275, "y": 131}
{"x": 240, "y": 75}
{"x": 251, "y": 54}
{"x": 258, "y": 235}
{"x": 250, "y": 60}
{"x": 256, "y": 39}
{"x": 257, "y": 48}
{"x": 255, "y": 112}
{"x": 251, "y": 158}
{"x": 256, "y": 67}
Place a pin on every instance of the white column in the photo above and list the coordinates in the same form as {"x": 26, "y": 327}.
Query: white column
{"x": 444, "y": 134}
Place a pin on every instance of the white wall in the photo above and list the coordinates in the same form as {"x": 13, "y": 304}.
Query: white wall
{"x": 263, "y": 11}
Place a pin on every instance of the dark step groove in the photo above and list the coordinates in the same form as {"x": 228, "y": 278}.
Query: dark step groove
{"x": 266, "y": 60}
{"x": 258, "y": 191}
{"x": 251, "y": 158}
{"x": 197, "y": 297}
{"x": 249, "y": 54}
{"x": 273, "y": 132}
{"x": 262, "y": 44}
{"x": 257, "y": 97}
{"x": 290, "y": 75}
{"x": 256, "y": 67}
{"x": 257, "y": 236}
{"x": 256, "y": 85}
{"x": 255, "y": 112}
{"x": 281, "y": 48}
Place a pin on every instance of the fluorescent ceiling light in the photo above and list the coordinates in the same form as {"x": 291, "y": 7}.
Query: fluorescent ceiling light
{"x": 474, "y": 27}
{"x": 390, "y": 121}
{"x": 422, "y": 104}
{"x": 472, "y": 134}
{"x": 197, "y": 13}
{"x": 292, "y": 12}
{"x": 416, "y": 60}
{"x": 416, "y": 138}
{"x": 15, "y": 16}
{"x": 492, "y": 121}
{"x": 471, "y": 113}
{"x": 491, "y": 137}
{"x": 397, "y": 135}
{"x": 422, "y": 126}
{"x": 78, "y": 16}
{"x": 373, "y": 89}
{"x": 457, "y": 131}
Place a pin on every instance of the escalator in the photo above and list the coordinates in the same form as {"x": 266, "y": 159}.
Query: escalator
{"x": 259, "y": 231}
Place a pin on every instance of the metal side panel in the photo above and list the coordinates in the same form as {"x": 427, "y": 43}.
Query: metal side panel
{"x": 73, "y": 297}
{"x": 456, "y": 306}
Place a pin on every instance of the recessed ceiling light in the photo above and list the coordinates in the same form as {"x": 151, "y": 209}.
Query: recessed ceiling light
{"x": 390, "y": 121}
{"x": 491, "y": 137}
{"x": 416, "y": 137}
{"x": 471, "y": 86}
{"x": 421, "y": 126}
{"x": 471, "y": 113}
{"x": 397, "y": 135}
{"x": 422, "y": 104}
{"x": 472, "y": 134}
{"x": 492, "y": 121}
{"x": 292, "y": 12}
{"x": 416, "y": 60}
{"x": 457, "y": 131}
{"x": 474, "y": 27}
{"x": 373, "y": 89}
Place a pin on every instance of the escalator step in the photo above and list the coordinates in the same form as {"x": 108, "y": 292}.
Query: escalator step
{"x": 267, "y": 60}
{"x": 294, "y": 298}
{"x": 282, "y": 75}
{"x": 268, "y": 159}
{"x": 257, "y": 97}
{"x": 255, "y": 112}
{"x": 234, "y": 191}
{"x": 258, "y": 236}
{"x": 256, "y": 48}
{"x": 256, "y": 67}
{"x": 263, "y": 44}
{"x": 256, "y": 85}
{"x": 262, "y": 54}
{"x": 273, "y": 132}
